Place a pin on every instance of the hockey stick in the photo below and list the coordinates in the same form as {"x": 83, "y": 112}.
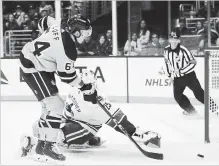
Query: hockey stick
{"x": 158, "y": 156}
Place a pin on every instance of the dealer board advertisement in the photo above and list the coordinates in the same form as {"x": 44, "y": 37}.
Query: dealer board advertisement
{"x": 110, "y": 72}
{"x": 144, "y": 80}
{"x": 144, "y": 83}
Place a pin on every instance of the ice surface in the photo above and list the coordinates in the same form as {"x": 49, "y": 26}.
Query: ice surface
{"x": 182, "y": 137}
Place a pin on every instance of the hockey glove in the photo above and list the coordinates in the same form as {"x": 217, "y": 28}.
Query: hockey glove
{"x": 89, "y": 92}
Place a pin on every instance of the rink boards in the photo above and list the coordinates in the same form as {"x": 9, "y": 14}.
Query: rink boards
{"x": 123, "y": 79}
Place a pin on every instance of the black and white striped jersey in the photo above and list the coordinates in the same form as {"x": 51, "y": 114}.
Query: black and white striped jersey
{"x": 179, "y": 58}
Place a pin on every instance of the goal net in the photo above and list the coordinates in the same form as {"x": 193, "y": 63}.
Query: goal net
{"x": 212, "y": 95}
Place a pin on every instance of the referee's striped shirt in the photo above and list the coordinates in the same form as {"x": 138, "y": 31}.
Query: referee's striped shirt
{"x": 179, "y": 58}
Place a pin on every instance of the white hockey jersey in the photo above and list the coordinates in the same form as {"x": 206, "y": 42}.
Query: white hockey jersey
{"x": 54, "y": 50}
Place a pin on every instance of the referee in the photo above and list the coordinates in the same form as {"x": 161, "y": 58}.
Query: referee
{"x": 180, "y": 64}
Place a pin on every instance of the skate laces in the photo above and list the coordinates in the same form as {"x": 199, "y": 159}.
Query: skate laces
{"x": 55, "y": 148}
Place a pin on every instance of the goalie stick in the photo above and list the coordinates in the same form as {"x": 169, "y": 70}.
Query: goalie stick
{"x": 157, "y": 156}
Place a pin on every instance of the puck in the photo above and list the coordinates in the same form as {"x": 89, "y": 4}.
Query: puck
{"x": 200, "y": 155}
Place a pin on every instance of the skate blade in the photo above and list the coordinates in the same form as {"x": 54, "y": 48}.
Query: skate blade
{"x": 193, "y": 116}
{"x": 84, "y": 146}
{"x": 47, "y": 160}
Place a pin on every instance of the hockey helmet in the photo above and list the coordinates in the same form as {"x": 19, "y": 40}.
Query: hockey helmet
{"x": 80, "y": 27}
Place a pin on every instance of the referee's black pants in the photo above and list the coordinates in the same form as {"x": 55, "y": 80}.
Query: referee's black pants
{"x": 180, "y": 83}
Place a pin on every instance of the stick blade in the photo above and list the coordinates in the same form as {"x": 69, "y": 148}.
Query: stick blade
{"x": 157, "y": 156}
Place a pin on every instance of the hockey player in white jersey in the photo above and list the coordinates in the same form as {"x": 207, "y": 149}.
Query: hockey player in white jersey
{"x": 82, "y": 119}
{"x": 53, "y": 51}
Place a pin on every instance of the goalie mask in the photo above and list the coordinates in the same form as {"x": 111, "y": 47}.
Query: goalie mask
{"x": 88, "y": 77}
{"x": 80, "y": 27}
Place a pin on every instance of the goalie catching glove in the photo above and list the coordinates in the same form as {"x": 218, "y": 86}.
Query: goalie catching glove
{"x": 89, "y": 87}
{"x": 149, "y": 138}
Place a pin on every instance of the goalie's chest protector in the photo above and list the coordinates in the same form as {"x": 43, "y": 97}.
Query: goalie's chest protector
{"x": 48, "y": 51}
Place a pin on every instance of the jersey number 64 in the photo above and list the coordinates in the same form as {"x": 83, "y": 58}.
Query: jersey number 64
{"x": 39, "y": 47}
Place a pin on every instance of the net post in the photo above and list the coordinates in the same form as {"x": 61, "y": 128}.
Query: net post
{"x": 58, "y": 9}
{"x": 1, "y": 31}
{"x": 114, "y": 28}
{"x": 206, "y": 96}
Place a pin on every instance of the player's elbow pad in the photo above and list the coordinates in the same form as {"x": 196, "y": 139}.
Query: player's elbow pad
{"x": 67, "y": 77}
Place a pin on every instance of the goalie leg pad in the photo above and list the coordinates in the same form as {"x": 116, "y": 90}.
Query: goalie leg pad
{"x": 35, "y": 128}
{"x": 76, "y": 134}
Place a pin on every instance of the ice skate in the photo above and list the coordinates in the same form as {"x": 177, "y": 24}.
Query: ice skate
{"x": 39, "y": 151}
{"x": 51, "y": 150}
{"x": 26, "y": 143}
{"x": 39, "y": 147}
{"x": 190, "y": 113}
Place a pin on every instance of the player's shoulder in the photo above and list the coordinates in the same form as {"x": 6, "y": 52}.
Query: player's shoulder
{"x": 69, "y": 45}
{"x": 28, "y": 46}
